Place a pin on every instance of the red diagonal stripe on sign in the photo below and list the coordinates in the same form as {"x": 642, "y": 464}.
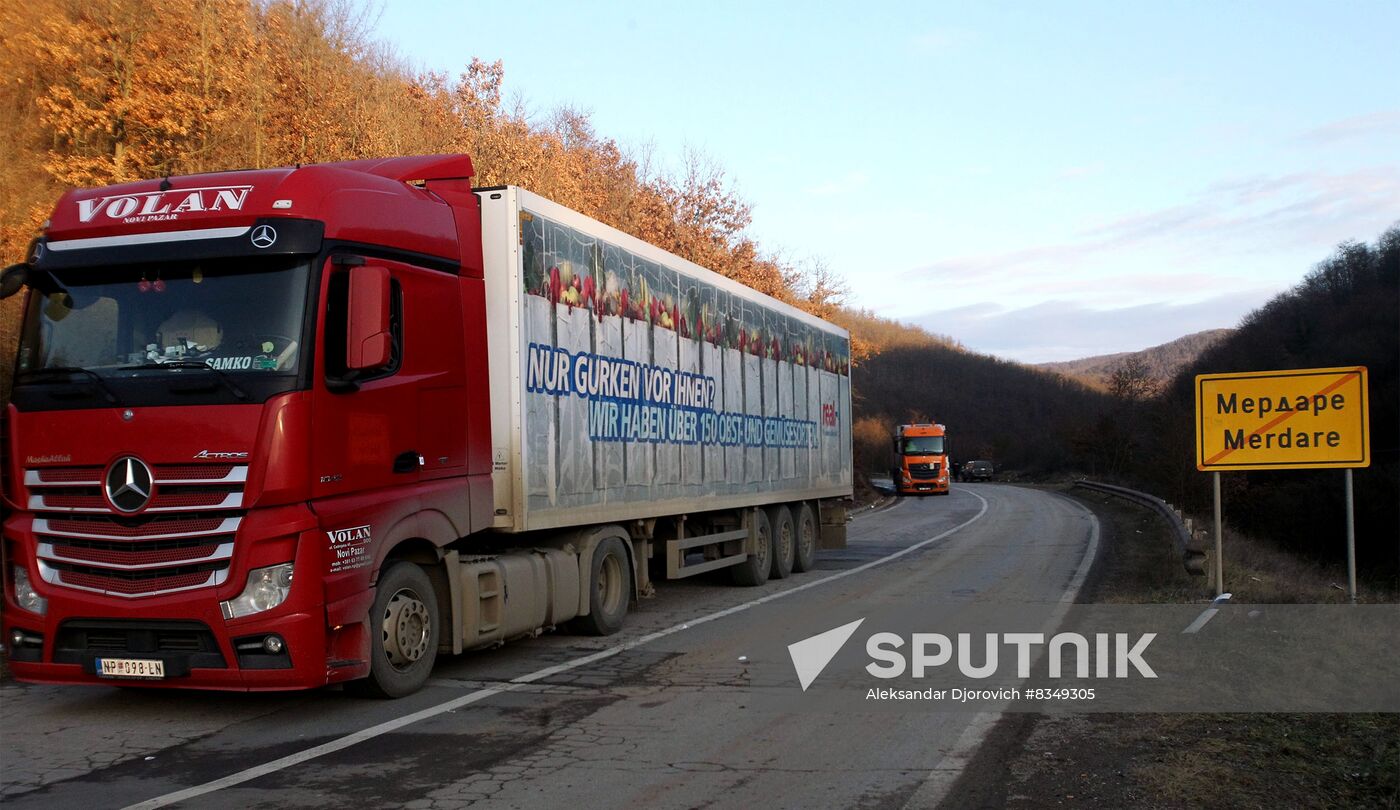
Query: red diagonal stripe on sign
{"x": 1284, "y": 417}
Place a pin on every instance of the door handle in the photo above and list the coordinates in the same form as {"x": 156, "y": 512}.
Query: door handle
{"x": 408, "y": 461}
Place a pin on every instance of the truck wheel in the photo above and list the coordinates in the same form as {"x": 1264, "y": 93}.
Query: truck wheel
{"x": 404, "y": 628}
{"x": 805, "y": 539}
{"x": 609, "y": 592}
{"x": 784, "y": 541}
{"x": 754, "y": 570}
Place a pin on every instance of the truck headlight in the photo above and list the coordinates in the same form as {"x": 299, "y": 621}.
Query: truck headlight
{"x": 25, "y": 595}
{"x": 266, "y": 589}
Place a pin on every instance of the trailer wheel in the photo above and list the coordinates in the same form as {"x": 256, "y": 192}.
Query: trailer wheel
{"x": 754, "y": 570}
{"x": 805, "y": 539}
{"x": 609, "y": 592}
{"x": 784, "y": 541}
{"x": 404, "y": 630}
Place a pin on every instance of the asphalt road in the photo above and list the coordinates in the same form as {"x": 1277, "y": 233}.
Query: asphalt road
{"x": 669, "y": 713}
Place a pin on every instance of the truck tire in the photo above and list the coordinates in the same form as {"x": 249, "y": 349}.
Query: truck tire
{"x": 754, "y": 570}
{"x": 784, "y": 541}
{"x": 404, "y": 630}
{"x": 609, "y": 592}
{"x": 805, "y": 538}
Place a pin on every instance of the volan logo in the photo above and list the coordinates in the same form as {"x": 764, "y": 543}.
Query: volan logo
{"x": 355, "y": 534}
{"x": 154, "y": 206}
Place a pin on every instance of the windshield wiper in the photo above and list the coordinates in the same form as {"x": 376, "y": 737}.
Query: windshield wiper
{"x": 192, "y": 364}
{"x": 107, "y": 393}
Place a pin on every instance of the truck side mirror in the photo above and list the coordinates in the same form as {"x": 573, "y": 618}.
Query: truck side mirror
{"x": 13, "y": 279}
{"x": 367, "y": 339}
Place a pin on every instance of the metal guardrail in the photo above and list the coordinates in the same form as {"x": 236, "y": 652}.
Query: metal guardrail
{"x": 1192, "y": 558}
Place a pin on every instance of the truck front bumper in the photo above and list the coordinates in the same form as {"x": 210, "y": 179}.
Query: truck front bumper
{"x": 196, "y": 651}
{"x": 285, "y": 647}
{"x": 932, "y": 486}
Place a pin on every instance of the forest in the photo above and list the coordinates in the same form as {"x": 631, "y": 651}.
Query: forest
{"x": 100, "y": 93}
{"x": 1345, "y": 312}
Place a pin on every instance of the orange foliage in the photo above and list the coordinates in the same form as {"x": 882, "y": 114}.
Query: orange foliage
{"x": 104, "y": 92}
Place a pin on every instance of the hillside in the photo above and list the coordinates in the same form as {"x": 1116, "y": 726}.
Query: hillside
{"x": 1161, "y": 363}
{"x": 1022, "y": 418}
{"x": 1345, "y": 312}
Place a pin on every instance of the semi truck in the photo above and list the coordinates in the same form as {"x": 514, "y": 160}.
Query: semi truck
{"x": 921, "y": 459}
{"x": 282, "y": 428}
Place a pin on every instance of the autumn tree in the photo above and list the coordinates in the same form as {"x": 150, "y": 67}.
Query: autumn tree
{"x": 1132, "y": 381}
{"x": 112, "y": 91}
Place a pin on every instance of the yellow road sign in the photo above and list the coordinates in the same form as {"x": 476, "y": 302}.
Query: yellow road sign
{"x": 1283, "y": 420}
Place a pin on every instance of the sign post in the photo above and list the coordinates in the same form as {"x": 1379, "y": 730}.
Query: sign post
{"x": 1312, "y": 418}
{"x": 1219, "y": 540}
{"x": 1351, "y": 542}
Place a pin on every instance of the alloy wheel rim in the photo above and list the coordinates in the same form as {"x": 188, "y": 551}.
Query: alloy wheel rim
{"x": 407, "y": 629}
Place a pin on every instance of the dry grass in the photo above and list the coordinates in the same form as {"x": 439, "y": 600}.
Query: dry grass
{"x": 1266, "y": 761}
{"x": 1257, "y": 572}
{"x": 1236, "y": 761}
{"x": 1141, "y": 565}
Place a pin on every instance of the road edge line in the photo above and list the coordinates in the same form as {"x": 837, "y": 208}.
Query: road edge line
{"x": 939, "y": 782}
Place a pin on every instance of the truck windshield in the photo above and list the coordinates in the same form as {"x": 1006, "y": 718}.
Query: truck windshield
{"x": 241, "y": 316}
{"x": 922, "y": 446}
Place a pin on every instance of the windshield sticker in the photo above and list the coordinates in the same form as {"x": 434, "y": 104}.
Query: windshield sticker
{"x": 233, "y": 363}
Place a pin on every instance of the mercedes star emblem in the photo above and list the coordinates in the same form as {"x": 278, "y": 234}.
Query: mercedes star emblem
{"x": 264, "y": 236}
{"x": 129, "y": 484}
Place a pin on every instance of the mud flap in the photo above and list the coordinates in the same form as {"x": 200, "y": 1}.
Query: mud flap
{"x": 834, "y": 516}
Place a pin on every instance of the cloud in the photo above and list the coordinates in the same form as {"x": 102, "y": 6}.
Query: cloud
{"x": 1381, "y": 122}
{"x": 1086, "y": 170}
{"x": 1243, "y": 217}
{"x": 1267, "y": 207}
{"x": 849, "y": 181}
{"x": 944, "y": 40}
{"x": 1068, "y": 330}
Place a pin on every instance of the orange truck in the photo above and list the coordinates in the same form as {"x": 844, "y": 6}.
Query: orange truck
{"x": 921, "y": 459}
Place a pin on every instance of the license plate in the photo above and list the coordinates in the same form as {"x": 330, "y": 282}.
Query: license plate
{"x": 130, "y": 668}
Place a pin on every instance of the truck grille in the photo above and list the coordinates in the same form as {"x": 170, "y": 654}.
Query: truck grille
{"x": 181, "y": 541}
{"x": 79, "y": 638}
{"x": 923, "y": 472}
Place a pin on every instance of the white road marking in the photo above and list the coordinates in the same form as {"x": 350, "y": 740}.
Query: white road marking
{"x": 481, "y": 694}
{"x": 939, "y": 781}
{"x": 1206, "y": 615}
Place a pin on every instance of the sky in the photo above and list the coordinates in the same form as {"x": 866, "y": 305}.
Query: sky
{"x": 1040, "y": 181}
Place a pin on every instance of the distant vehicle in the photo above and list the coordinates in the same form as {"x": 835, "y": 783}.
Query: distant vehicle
{"x": 977, "y": 471}
{"x": 921, "y": 460}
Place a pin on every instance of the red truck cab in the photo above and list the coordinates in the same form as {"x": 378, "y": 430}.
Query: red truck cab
{"x": 921, "y": 460}
{"x": 230, "y": 382}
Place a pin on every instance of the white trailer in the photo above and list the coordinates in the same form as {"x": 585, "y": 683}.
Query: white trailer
{"x": 649, "y": 418}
